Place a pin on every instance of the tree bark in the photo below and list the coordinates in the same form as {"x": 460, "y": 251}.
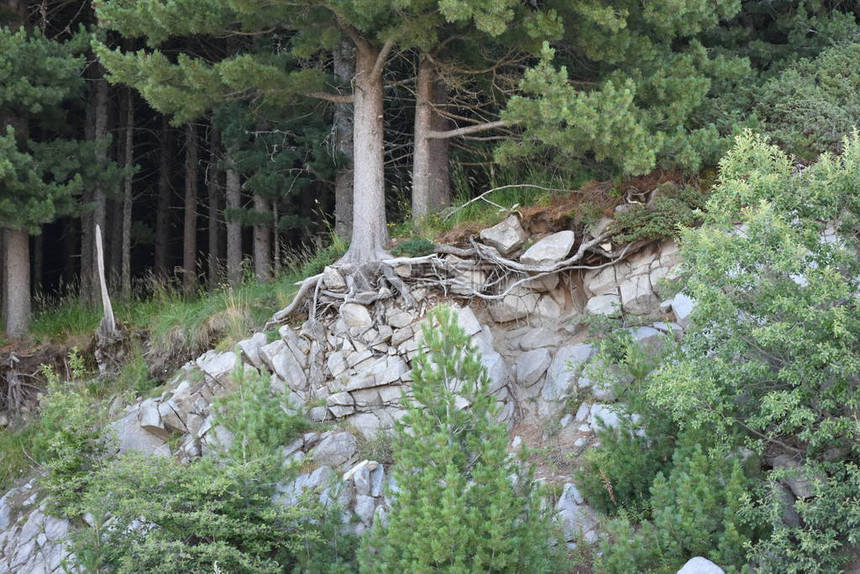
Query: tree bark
{"x": 162, "y": 209}
{"x": 430, "y": 184}
{"x": 127, "y": 198}
{"x": 189, "y": 235}
{"x": 99, "y": 111}
{"x": 234, "y": 228}
{"x": 16, "y": 276}
{"x": 369, "y": 230}
{"x": 344, "y": 70}
{"x": 213, "y": 189}
{"x": 262, "y": 241}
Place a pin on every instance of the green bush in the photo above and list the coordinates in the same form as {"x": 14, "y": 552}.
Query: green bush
{"x": 776, "y": 352}
{"x": 809, "y": 107}
{"x": 695, "y": 511}
{"x": 463, "y": 505}
{"x": 672, "y": 208}
{"x": 70, "y": 440}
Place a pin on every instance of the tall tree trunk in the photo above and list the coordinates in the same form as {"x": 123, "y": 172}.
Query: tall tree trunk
{"x": 189, "y": 235}
{"x": 16, "y": 277}
{"x": 262, "y": 241}
{"x": 99, "y": 111}
{"x": 369, "y": 229}
{"x": 128, "y": 163}
{"x": 344, "y": 70}
{"x": 234, "y": 228}
{"x": 113, "y": 237}
{"x": 276, "y": 239}
{"x": 162, "y": 208}
{"x": 430, "y": 182}
{"x": 214, "y": 191}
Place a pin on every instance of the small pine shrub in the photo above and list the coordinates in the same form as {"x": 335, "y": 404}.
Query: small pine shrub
{"x": 463, "y": 504}
{"x": 673, "y": 207}
{"x": 260, "y": 419}
{"x": 165, "y": 517}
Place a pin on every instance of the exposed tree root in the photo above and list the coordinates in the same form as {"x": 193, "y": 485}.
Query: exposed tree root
{"x": 379, "y": 280}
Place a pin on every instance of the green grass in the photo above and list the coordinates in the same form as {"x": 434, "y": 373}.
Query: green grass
{"x": 15, "y": 448}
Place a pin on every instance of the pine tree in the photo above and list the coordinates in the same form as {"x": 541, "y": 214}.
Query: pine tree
{"x": 36, "y": 184}
{"x": 463, "y": 504}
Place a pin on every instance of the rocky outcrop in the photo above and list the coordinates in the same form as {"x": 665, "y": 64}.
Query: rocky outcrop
{"x": 352, "y": 370}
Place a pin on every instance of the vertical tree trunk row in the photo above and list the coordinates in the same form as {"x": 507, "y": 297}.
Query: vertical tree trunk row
{"x": 128, "y": 163}
{"x": 234, "y": 228}
{"x": 262, "y": 240}
{"x": 344, "y": 70}
{"x": 213, "y": 189}
{"x": 162, "y": 208}
{"x": 430, "y": 182}
{"x": 189, "y": 234}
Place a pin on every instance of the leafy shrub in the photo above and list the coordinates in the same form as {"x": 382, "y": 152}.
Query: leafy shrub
{"x": 463, "y": 504}
{"x": 70, "y": 440}
{"x": 776, "y": 355}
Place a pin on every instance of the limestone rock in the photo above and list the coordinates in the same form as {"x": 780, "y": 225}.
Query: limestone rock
{"x": 563, "y": 369}
{"x": 549, "y": 250}
{"x": 699, "y": 565}
{"x": 283, "y": 362}
{"x": 605, "y": 414}
{"x": 518, "y": 304}
{"x": 333, "y": 279}
{"x": 682, "y": 307}
{"x": 575, "y": 517}
{"x": 603, "y": 305}
{"x": 131, "y": 437}
{"x": 467, "y": 320}
{"x": 336, "y": 450}
{"x": 217, "y": 365}
{"x": 251, "y": 348}
{"x": 506, "y": 237}
{"x": 637, "y": 297}
{"x": 356, "y": 316}
{"x": 532, "y": 365}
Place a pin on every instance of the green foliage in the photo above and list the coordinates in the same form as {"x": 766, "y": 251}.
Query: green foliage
{"x": 777, "y": 351}
{"x": 414, "y": 247}
{"x": 15, "y": 452}
{"x": 695, "y": 511}
{"x": 326, "y": 256}
{"x": 830, "y": 522}
{"x": 167, "y": 517}
{"x": 462, "y": 505}
{"x": 671, "y": 208}
{"x": 809, "y": 107}
{"x": 633, "y": 86}
{"x": 259, "y": 418}
{"x": 71, "y": 440}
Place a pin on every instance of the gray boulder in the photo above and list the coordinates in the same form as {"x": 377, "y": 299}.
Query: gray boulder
{"x": 549, "y": 250}
{"x": 699, "y": 565}
{"x": 506, "y": 237}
